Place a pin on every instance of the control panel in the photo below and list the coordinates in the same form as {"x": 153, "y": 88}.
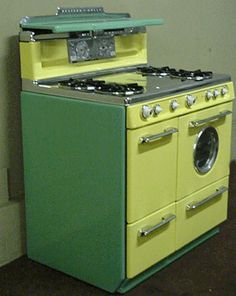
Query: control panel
{"x": 168, "y": 107}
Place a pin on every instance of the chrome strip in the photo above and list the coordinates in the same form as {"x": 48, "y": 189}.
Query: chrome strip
{"x": 30, "y": 36}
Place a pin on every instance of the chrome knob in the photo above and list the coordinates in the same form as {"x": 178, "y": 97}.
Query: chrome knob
{"x": 190, "y": 100}
{"x": 174, "y": 105}
{"x": 147, "y": 111}
{"x": 224, "y": 91}
{"x": 209, "y": 95}
{"x": 157, "y": 109}
{"x": 216, "y": 93}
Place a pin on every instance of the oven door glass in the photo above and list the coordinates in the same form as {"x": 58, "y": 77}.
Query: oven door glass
{"x": 206, "y": 149}
{"x": 203, "y": 149}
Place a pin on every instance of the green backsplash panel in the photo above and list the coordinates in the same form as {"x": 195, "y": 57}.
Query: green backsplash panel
{"x": 74, "y": 170}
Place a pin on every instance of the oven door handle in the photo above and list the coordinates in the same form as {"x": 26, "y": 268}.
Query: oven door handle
{"x": 209, "y": 119}
{"x": 165, "y": 220}
{"x": 153, "y": 138}
{"x": 195, "y": 205}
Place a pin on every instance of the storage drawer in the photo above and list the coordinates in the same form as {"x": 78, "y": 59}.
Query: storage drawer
{"x": 150, "y": 239}
{"x": 201, "y": 211}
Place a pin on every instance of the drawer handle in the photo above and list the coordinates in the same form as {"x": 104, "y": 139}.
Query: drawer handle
{"x": 153, "y": 138}
{"x": 165, "y": 220}
{"x": 195, "y": 205}
{"x": 209, "y": 119}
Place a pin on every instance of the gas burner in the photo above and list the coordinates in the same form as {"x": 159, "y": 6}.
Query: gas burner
{"x": 196, "y": 75}
{"x": 153, "y": 71}
{"x": 181, "y": 74}
{"x": 100, "y": 86}
{"x": 117, "y": 89}
{"x": 87, "y": 85}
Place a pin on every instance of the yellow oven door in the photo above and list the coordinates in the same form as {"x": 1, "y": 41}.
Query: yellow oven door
{"x": 204, "y": 148}
{"x": 150, "y": 239}
{"x": 151, "y": 168}
{"x": 201, "y": 212}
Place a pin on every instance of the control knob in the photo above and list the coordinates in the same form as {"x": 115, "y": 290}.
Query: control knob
{"x": 209, "y": 95}
{"x": 224, "y": 91}
{"x": 157, "y": 109}
{"x": 216, "y": 93}
{"x": 190, "y": 100}
{"x": 174, "y": 105}
{"x": 147, "y": 111}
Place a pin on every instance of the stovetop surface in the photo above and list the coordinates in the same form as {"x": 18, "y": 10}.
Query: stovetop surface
{"x": 149, "y": 87}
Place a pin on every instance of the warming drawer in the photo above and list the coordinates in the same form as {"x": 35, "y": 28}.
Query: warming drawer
{"x": 151, "y": 168}
{"x": 201, "y": 211}
{"x": 150, "y": 239}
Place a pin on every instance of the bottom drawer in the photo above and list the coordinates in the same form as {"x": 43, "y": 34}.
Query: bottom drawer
{"x": 201, "y": 211}
{"x": 150, "y": 239}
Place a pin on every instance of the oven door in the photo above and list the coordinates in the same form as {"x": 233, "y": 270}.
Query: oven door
{"x": 204, "y": 148}
{"x": 151, "y": 168}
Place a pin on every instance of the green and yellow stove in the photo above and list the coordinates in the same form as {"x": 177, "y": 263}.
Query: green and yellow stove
{"x": 125, "y": 164}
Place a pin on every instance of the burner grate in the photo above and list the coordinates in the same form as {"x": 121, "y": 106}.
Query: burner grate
{"x": 102, "y": 87}
{"x": 196, "y": 75}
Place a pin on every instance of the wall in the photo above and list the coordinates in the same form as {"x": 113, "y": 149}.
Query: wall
{"x": 197, "y": 34}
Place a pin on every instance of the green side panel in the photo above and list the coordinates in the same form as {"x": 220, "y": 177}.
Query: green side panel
{"x": 130, "y": 284}
{"x": 74, "y": 167}
{"x": 86, "y": 22}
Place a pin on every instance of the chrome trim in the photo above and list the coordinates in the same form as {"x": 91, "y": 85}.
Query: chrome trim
{"x": 195, "y": 205}
{"x": 29, "y": 36}
{"x": 209, "y": 119}
{"x": 153, "y": 138}
{"x": 165, "y": 220}
{"x": 213, "y": 154}
{"x": 123, "y": 101}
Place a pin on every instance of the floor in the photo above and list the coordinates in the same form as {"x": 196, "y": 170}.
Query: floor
{"x": 210, "y": 269}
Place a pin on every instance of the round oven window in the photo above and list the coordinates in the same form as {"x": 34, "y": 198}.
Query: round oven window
{"x": 206, "y": 149}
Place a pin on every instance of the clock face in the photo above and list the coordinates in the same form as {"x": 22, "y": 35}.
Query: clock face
{"x": 82, "y": 50}
{"x": 106, "y": 48}
{"x": 88, "y": 49}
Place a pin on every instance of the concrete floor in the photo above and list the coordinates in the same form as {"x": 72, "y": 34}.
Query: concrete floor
{"x": 210, "y": 269}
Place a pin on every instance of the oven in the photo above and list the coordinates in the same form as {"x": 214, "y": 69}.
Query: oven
{"x": 181, "y": 165}
{"x": 125, "y": 164}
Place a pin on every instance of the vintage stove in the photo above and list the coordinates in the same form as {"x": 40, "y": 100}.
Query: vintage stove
{"x": 126, "y": 165}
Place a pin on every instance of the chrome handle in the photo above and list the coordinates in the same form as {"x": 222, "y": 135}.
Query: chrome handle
{"x": 195, "y": 205}
{"x": 153, "y": 138}
{"x": 165, "y": 220}
{"x": 209, "y": 119}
